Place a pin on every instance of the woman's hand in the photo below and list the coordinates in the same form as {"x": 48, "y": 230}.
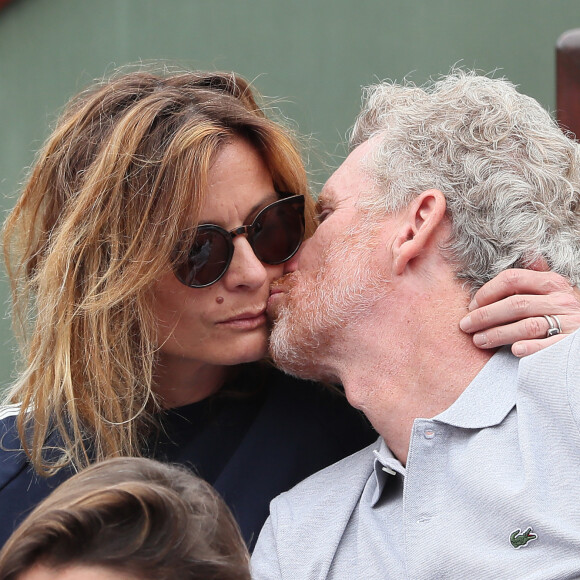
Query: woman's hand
{"x": 510, "y": 309}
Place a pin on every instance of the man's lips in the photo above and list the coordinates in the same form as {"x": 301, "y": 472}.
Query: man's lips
{"x": 277, "y": 291}
{"x": 282, "y": 284}
{"x": 275, "y": 296}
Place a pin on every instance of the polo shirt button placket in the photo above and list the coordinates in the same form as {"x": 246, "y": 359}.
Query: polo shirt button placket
{"x": 422, "y": 478}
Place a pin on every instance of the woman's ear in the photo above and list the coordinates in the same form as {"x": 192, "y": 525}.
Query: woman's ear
{"x": 420, "y": 221}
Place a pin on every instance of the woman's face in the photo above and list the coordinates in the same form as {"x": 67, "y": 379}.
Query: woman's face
{"x": 225, "y": 323}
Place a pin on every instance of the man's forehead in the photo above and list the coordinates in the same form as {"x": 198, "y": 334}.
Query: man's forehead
{"x": 352, "y": 176}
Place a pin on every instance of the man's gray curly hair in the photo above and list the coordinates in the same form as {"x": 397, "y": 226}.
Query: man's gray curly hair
{"x": 511, "y": 177}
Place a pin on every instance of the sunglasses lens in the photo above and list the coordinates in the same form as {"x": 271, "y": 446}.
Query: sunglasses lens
{"x": 207, "y": 260}
{"x": 275, "y": 237}
{"x": 279, "y": 231}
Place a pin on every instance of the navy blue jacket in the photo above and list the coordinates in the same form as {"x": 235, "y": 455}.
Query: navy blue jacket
{"x": 256, "y": 439}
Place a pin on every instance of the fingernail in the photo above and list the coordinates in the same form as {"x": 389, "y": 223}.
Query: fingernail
{"x": 518, "y": 350}
{"x": 480, "y": 339}
{"x": 473, "y": 305}
{"x": 465, "y": 323}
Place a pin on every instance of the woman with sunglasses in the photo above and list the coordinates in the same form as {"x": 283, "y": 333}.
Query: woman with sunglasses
{"x": 140, "y": 253}
{"x": 146, "y": 238}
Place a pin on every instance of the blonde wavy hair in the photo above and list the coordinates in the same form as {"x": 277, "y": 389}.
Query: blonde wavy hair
{"x": 111, "y": 195}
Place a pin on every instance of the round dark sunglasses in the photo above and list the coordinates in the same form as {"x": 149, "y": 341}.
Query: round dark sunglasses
{"x": 275, "y": 236}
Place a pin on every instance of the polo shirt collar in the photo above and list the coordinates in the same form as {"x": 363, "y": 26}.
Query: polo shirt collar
{"x": 486, "y": 402}
{"x": 488, "y": 398}
{"x": 386, "y": 466}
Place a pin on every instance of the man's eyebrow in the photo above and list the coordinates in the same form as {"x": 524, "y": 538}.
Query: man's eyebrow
{"x": 325, "y": 197}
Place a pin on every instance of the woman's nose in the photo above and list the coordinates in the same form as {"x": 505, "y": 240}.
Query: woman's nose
{"x": 245, "y": 270}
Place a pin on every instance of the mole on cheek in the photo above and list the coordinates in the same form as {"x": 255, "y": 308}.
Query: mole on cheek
{"x": 219, "y": 300}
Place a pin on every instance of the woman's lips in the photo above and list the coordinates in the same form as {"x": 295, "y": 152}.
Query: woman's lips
{"x": 246, "y": 320}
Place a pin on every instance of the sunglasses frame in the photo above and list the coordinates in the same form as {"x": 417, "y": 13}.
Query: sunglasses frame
{"x": 249, "y": 229}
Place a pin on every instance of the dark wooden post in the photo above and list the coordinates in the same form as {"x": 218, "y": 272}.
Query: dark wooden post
{"x": 568, "y": 81}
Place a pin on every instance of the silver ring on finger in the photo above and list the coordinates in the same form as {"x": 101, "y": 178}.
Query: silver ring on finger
{"x": 555, "y": 327}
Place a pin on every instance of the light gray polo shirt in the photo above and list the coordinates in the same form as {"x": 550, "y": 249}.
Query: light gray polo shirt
{"x": 491, "y": 489}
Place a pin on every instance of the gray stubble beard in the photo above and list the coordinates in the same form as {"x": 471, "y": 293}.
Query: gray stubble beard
{"x": 320, "y": 308}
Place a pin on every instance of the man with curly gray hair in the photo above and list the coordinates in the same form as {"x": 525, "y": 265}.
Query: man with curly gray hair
{"x": 509, "y": 175}
{"x": 475, "y": 472}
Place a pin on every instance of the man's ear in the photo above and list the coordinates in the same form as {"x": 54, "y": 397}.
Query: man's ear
{"x": 419, "y": 221}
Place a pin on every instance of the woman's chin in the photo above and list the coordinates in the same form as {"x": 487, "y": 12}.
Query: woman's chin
{"x": 252, "y": 350}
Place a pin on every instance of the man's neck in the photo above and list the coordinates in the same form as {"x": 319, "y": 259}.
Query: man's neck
{"x": 414, "y": 363}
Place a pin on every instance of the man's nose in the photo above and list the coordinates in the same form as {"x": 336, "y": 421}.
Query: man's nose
{"x": 292, "y": 264}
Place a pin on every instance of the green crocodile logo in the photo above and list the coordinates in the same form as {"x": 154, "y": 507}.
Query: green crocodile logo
{"x": 519, "y": 539}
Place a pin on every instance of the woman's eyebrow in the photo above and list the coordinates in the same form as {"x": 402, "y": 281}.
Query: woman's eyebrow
{"x": 254, "y": 210}
{"x": 266, "y": 200}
